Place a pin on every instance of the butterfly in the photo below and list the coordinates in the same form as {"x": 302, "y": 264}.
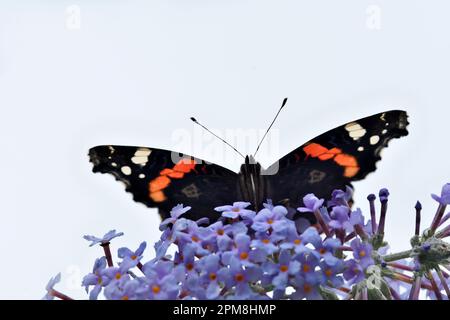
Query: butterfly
{"x": 162, "y": 178}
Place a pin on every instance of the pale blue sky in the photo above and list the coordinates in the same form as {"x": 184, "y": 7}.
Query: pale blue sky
{"x": 135, "y": 71}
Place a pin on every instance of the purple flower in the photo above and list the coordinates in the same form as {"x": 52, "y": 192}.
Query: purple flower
{"x": 354, "y": 272}
{"x": 444, "y": 199}
{"x": 266, "y": 243}
{"x": 238, "y": 228}
{"x": 311, "y": 236}
{"x": 161, "y": 281}
{"x": 384, "y": 195}
{"x": 175, "y": 213}
{"x": 106, "y": 238}
{"x": 191, "y": 233}
{"x": 163, "y": 244}
{"x": 96, "y": 278}
{"x": 269, "y": 204}
{"x": 340, "y": 197}
{"x": 238, "y": 277}
{"x": 340, "y": 219}
{"x": 311, "y": 202}
{"x": 236, "y": 210}
{"x": 210, "y": 266}
{"x": 296, "y": 242}
{"x": 221, "y": 234}
{"x": 52, "y": 282}
{"x": 132, "y": 257}
{"x": 330, "y": 273}
{"x": 116, "y": 273}
{"x": 124, "y": 289}
{"x": 305, "y": 287}
{"x": 356, "y": 217}
{"x": 270, "y": 219}
{"x": 187, "y": 257}
{"x": 243, "y": 252}
{"x": 362, "y": 251}
{"x": 326, "y": 250}
{"x": 281, "y": 271}
{"x": 308, "y": 264}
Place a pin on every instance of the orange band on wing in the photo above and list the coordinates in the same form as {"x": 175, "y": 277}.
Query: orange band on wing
{"x": 345, "y": 160}
{"x": 350, "y": 172}
{"x": 314, "y": 150}
{"x": 158, "y": 196}
{"x": 185, "y": 165}
{"x": 157, "y": 185}
{"x": 172, "y": 173}
{"x": 349, "y": 162}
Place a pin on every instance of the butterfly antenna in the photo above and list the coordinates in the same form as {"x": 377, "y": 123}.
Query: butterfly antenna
{"x": 215, "y": 135}
{"x": 268, "y": 129}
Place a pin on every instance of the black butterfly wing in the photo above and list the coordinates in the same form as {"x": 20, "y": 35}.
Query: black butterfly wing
{"x": 334, "y": 159}
{"x": 162, "y": 179}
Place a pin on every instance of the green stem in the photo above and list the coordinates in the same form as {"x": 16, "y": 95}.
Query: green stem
{"x": 397, "y": 256}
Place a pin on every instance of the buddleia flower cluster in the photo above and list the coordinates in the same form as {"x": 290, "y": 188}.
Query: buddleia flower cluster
{"x": 276, "y": 253}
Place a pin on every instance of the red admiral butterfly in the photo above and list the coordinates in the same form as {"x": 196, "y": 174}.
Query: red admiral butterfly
{"x": 163, "y": 179}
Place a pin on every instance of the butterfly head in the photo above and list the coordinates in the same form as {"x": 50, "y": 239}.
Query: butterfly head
{"x": 250, "y": 160}
{"x": 250, "y": 165}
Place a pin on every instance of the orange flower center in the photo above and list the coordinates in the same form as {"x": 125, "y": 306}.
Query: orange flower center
{"x": 284, "y": 268}
{"x": 220, "y": 232}
{"x": 307, "y": 288}
{"x": 322, "y": 251}
{"x": 328, "y": 272}
{"x": 118, "y": 276}
{"x": 243, "y": 255}
{"x": 212, "y": 276}
{"x": 270, "y": 221}
{"x": 235, "y": 209}
{"x": 156, "y": 289}
{"x": 133, "y": 257}
{"x": 266, "y": 241}
{"x": 297, "y": 241}
{"x": 125, "y": 298}
{"x": 239, "y": 277}
{"x": 189, "y": 266}
{"x": 194, "y": 238}
{"x": 306, "y": 268}
{"x": 362, "y": 253}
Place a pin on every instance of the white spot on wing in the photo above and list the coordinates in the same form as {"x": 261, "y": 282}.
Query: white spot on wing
{"x": 384, "y": 131}
{"x": 114, "y": 164}
{"x": 361, "y": 148}
{"x": 141, "y": 156}
{"x": 141, "y": 176}
{"x": 355, "y": 130}
{"x": 374, "y": 139}
{"x": 126, "y": 170}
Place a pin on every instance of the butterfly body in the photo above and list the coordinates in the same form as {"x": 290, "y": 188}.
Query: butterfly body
{"x": 162, "y": 179}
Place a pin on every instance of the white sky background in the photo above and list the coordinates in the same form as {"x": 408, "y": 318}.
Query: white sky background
{"x": 134, "y": 72}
